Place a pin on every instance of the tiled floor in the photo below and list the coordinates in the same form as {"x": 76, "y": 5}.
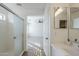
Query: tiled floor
{"x": 36, "y": 41}
{"x": 34, "y": 47}
{"x": 34, "y": 51}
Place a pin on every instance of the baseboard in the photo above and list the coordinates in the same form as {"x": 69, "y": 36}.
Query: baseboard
{"x": 22, "y": 53}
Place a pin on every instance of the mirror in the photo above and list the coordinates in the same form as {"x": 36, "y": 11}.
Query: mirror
{"x": 60, "y": 17}
{"x": 74, "y": 15}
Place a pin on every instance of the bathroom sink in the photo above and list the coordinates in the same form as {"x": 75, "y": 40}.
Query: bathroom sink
{"x": 71, "y": 49}
{"x": 75, "y": 44}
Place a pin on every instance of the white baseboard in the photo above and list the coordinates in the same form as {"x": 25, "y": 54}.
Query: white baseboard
{"x": 22, "y": 53}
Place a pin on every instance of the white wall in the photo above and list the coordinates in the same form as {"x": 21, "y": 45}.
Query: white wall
{"x": 18, "y": 10}
{"x": 74, "y": 32}
{"x": 4, "y": 38}
{"x": 46, "y": 30}
{"x": 61, "y": 35}
{"x": 35, "y": 30}
{"x": 7, "y": 43}
{"x": 57, "y": 35}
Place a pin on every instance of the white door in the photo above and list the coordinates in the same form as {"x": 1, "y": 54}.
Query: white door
{"x": 11, "y": 30}
{"x": 16, "y": 31}
{"x": 46, "y": 43}
{"x": 6, "y": 43}
{"x": 18, "y": 26}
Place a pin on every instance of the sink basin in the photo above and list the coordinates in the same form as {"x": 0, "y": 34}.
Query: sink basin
{"x": 76, "y": 44}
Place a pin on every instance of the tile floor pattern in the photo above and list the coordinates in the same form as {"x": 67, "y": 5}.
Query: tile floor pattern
{"x": 34, "y": 52}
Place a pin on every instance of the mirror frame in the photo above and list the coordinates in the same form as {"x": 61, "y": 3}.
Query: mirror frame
{"x": 71, "y": 21}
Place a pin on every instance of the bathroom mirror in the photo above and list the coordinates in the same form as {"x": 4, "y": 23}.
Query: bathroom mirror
{"x": 74, "y": 16}
{"x": 60, "y": 17}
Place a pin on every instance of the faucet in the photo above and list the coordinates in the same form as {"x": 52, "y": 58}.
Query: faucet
{"x": 76, "y": 40}
{"x": 70, "y": 42}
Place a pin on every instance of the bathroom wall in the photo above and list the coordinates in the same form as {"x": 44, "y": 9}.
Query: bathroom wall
{"x": 58, "y": 36}
{"x": 46, "y": 31}
{"x": 35, "y": 30}
{"x": 3, "y": 31}
{"x": 7, "y": 41}
{"x": 74, "y": 32}
{"x": 61, "y": 35}
{"x": 55, "y": 35}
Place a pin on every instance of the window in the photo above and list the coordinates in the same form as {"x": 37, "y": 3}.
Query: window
{"x": 2, "y": 17}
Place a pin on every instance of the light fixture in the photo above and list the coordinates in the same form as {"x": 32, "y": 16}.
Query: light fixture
{"x": 40, "y": 21}
{"x": 58, "y": 11}
{"x": 19, "y": 4}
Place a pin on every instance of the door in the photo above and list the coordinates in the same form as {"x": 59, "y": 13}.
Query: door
{"x": 3, "y": 31}
{"x": 16, "y": 33}
{"x": 18, "y": 28}
{"x": 46, "y": 42}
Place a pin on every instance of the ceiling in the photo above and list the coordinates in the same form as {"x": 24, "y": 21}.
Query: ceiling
{"x": 33, "y": 6}
{"x": 27, "y": 8}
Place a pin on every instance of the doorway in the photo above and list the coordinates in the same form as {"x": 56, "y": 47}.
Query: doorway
{"x": 35, "y": 34}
